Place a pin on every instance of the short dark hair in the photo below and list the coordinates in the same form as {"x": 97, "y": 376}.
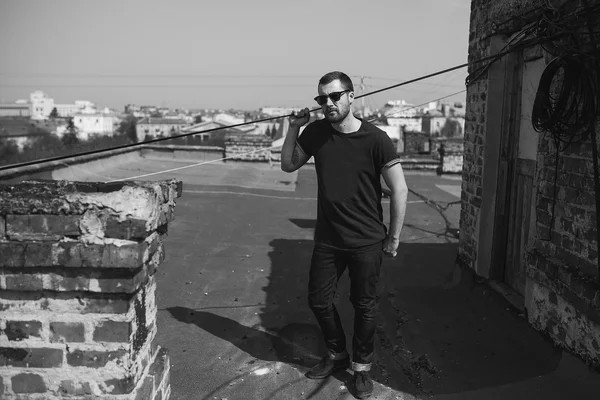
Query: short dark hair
{"x": 335, "y": 75}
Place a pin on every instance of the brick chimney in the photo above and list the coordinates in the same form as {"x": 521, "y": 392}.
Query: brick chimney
{"x": 77, "y": 289}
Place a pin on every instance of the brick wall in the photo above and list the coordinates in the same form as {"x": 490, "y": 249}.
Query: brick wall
{"x": 77, "y": 289}
{"x": 562, "y": 294}
{"x": 485, "y": 17}
{"x": 248, "y": 148}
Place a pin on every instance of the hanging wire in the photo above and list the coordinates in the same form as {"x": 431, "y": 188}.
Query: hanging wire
{"x": 566, "y": 104}
{"x": 134, "y": 145}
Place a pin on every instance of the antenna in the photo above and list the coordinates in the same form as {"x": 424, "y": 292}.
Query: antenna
{"x": 362, "y": 91}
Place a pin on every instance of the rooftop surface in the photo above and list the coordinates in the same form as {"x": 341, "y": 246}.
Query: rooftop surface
{"x": 233, "y": 308}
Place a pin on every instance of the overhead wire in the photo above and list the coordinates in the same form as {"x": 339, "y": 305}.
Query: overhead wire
{"x": 247, "y": 153}
{"x": 156, "y": 140}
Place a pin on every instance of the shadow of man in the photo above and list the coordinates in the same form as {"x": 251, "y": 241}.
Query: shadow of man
{"x": 289, "y": 344}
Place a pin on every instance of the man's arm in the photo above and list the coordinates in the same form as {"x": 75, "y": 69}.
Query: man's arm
{"x": 292, "y": 155}
{"x": 394, "y": 179}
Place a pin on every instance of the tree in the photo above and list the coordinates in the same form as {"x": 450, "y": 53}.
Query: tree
{"x": 197, "y": 119}
{"x": 128, "y": 127}
{"x": 54, "y": 113}
{"x": 9, "y": 152}
{"x": 70, "y": 136}
{"x": 268, "y": 132}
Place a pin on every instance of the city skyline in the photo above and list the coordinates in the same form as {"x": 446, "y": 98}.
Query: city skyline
{"x": 115, "y": 56}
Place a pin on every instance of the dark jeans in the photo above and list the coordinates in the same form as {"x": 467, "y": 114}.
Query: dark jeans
{"x": 327, "y": 266}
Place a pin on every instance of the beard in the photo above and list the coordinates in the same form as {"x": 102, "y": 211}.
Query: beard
{"x": 338, "y": 114}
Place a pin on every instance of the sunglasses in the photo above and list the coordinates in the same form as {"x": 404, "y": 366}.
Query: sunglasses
{"x": 334, "y": 96}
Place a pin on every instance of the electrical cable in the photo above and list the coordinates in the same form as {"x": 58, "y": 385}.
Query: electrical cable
{"x": 250, "y": 152}
{"x": 567, "y": 102}
{"x": 595, "y": 146}
{"x": 133, "y": 145}
{"x": 568, "y": 115}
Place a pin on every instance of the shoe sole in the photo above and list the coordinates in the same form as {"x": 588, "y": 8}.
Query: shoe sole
{"x": 333, "y": 371}
{"x": 364, "y": 395}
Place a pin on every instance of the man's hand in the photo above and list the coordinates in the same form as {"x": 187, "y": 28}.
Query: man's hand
{"x": 299, "y": 118}
{"x": 390, "y": 246}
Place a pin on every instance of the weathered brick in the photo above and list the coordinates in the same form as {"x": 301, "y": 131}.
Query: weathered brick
{"x": 113, "y": 305}
{"x": 30, "y": 357}
{"x": 65, "y": 332}
{"x": 66, "y": 280}
{"x": 27, "y": 254}
{"x": 41, "y": 227}
{"x": 120, "y": 280}
{"x": 93, "y": 359}
{"x": 75, "y": 388}
{"x": 113, "y": 331}
{"x": 130, "y": 229}
{"x": 24, "y": 282}
{"x": 75, "y": 254}
{"x": 28, "y": 383}
{"x": 20, "y": 330}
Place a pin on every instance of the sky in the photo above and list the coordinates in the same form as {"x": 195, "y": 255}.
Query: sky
{"x": 229, "y": 54}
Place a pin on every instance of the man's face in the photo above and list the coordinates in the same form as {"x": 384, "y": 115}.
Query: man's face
{"x": 336, "y": 111}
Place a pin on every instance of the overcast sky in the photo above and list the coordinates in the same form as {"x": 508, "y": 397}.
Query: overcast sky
{"x": 228, "y": 53}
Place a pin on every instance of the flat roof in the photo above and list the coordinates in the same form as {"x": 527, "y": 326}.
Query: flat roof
{"x": 232, "y": 294}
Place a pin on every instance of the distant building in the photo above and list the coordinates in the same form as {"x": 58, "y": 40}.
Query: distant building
{"x": 228, "y": 119}
{"x": 19, "y": 131}
{"x": 131, "y": 108}
{"x": 91, "y": 124}
{"x": 148, "y": 128}
{"x": 14, "y": 110}
{"x": 444, "y": 121}
{"x": 42, "y": 105}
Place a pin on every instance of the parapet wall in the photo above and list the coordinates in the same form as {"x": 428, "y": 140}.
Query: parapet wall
{"x": 77, "y": 289}
{"x": 248, "y": 148}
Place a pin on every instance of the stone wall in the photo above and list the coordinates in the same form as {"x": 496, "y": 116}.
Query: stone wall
{"x": 453, "y": 154}
{"x": 248, "y": 148}
{"x": 562, "y": 294}
{"x": 77, "y": 289}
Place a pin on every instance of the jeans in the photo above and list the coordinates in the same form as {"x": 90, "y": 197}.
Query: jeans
{"x": 364, "y": 266}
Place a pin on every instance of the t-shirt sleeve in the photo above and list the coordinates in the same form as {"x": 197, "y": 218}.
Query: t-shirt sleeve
{"x": 385, "y": 154}
{"x": 306, "y": 140}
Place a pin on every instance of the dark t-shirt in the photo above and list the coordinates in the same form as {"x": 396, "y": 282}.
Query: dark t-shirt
{"x": 348, "y": 165}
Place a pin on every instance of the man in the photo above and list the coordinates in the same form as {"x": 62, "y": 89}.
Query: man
{"x": 350, "y": 157}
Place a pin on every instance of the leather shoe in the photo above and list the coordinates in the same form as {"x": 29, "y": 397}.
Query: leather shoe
{"x": 327, "y": 366}
{"x": 363, "y": 384}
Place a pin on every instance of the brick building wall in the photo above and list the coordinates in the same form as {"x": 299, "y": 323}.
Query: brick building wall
{"x": 474, "y": 138}
{"x": 562, "y": 294}
{"x": 77, "y": 289}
